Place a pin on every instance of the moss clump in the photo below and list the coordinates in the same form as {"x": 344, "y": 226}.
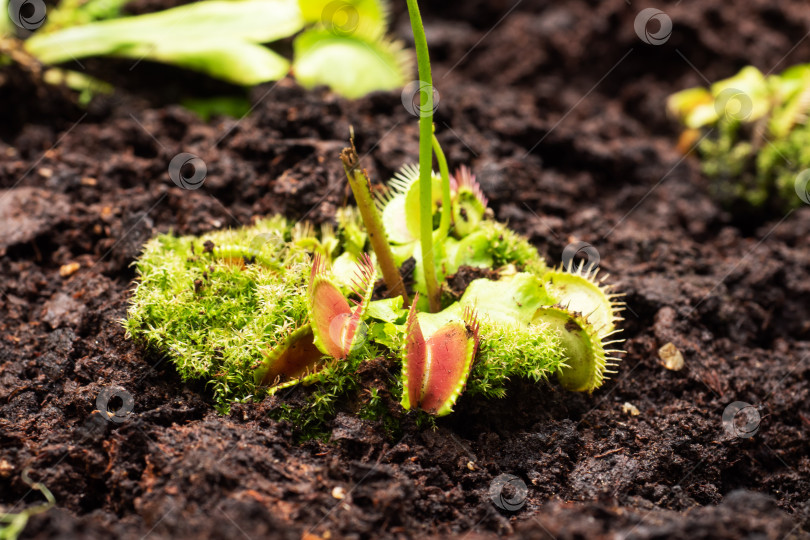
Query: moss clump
{"x": 234, "y": 309}
{"x": 508, "y": 351}
{"x": 257, "y": 310}
{"x": 216, "y": 304}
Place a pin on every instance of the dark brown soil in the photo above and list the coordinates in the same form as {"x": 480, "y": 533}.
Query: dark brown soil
{"x": 558, "y": 107}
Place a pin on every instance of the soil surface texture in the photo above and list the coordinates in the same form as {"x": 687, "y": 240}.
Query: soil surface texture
{"x": 558, "y": 107}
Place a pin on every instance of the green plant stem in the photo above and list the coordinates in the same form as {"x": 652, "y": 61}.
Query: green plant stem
{"x": 425, "y": 155}
{"x": 361, "y": 188}
{"x": 444, "y": 224}
{"x": 16, "y": 522}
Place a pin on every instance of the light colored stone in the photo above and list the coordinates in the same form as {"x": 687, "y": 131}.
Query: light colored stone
{"x": 629, "y": 408}
{"x": 69, "y": 269}
{"x": 671, "y": 357}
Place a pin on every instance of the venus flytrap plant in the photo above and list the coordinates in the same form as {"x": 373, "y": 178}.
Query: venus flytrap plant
{"x": 255, "y": 317}
{"x": 339, "y": 44}
{"x": 335, "y": 329}
{"x": 468, "y": 211}
{"x": 751, "y": 134}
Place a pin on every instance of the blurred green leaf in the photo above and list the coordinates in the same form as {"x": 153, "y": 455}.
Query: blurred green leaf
{"x": 368, "y": 18}
{"x": 743, "y": 97}
{"x": 6, "y": 26}
{"x": 205, "y": 108}
{"x": 77, "y": 12}
{"x": 350, "y": 65}
{"x": 344, "y": 46}
{"x": 217, "y": 37}
{"x": 238, "y": 62}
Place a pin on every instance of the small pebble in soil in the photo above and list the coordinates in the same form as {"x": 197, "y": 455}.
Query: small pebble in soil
{"x": 629, "y": 408}
{"x": 671, "y": 357}
{"x": 69, "y": 269}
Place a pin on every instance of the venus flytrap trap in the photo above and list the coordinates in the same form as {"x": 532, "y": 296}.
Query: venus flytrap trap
{"x": 435, "y": 368}
{"x": 336, "y": 326}
{"x": 280, "y": 305}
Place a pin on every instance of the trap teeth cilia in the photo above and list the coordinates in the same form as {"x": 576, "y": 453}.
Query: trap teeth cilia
{"x": 275, "y": 305}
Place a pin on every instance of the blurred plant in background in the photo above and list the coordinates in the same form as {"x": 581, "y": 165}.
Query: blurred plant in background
{"x": 339, "y": 43}
{"x": 752, "y": 136}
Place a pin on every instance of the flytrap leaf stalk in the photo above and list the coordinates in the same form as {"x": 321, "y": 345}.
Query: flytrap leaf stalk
{"x": 261, "y": 308}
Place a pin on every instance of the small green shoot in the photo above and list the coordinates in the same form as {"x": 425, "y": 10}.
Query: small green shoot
{"x": 12, "y": 525}
{"x": 361, "y": 187}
